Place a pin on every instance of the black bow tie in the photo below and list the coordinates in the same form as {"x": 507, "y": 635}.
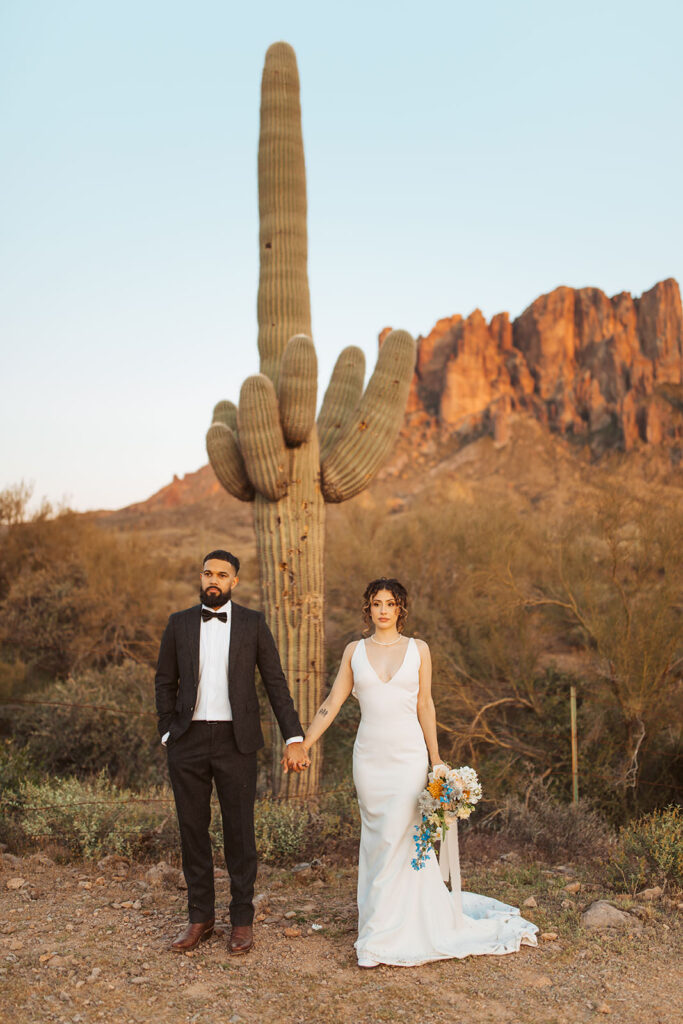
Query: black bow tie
{"x": 206, "y": 615}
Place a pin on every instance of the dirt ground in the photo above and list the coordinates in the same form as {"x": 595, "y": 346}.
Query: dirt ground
{"x": 80, "y": 944}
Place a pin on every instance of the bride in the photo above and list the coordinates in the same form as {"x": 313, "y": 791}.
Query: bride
{"x": 405, "y": 917}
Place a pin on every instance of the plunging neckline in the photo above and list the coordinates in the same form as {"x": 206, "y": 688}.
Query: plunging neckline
{"x": 377, "y": 675}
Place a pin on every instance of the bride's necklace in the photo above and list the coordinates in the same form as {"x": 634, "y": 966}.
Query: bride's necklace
{"x": 390, "y": 644}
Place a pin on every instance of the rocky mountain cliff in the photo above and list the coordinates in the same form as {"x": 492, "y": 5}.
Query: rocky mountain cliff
{"x": 607, "y": 370}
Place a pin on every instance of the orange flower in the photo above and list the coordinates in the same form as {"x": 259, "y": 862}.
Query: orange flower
{"x": 435, "y": 788}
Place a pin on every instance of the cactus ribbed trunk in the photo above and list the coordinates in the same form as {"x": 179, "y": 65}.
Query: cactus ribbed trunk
{"x": 267, "y": 451}
{"x": 290, "y": 536}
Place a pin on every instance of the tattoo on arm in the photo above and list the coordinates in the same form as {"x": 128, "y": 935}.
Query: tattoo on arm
{"x": 322, "y": 712}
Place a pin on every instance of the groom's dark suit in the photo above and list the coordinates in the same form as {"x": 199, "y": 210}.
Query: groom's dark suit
{"x": 200, "y": 752}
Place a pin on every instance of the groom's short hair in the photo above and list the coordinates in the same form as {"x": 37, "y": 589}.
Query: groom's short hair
{"x": 224, "y": 556}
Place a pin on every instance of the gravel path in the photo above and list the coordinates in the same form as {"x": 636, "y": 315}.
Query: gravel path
{"x": 87, "y": 943}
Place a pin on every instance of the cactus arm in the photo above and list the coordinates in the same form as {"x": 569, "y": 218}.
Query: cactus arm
{"x": 261, "y": 440}
{"x": 341, "y": 398}
{"x": 371, "y": 432}
{"x": 298, "y": 389}
{"x": 227, "y": 462}
{"x": 225, "y": 412}
{"x": 283, "y": 297}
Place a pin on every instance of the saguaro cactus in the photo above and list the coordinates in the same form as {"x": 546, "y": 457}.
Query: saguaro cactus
{"x": 270, "y": 450}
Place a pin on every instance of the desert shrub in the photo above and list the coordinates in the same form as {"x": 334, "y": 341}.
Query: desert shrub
{"x": 89, "y": 818}
{"x": 559, "y": 831}
{"x": 281, "y": 830}
{"x": 337, "y": 816}
{"x": 16, "y": 769}
{"x": 74, "y": 739}
{"x": 73, "y": 594}
{"x": 648, "y": 852}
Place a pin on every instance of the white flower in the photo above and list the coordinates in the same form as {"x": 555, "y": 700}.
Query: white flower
{"x": 439, "y": 771}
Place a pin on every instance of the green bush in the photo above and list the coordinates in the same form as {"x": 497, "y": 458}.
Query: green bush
{"x": 88, "y": 818}
{"x": 649, "y": 852}
{"x": 81, "y": 740}
{"x": 281, "y": 830}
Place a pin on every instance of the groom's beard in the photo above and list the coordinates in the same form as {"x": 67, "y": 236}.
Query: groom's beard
{"x": 214, "y": 600}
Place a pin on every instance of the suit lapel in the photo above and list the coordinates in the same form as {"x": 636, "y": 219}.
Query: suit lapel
{"x": 192, "y": 625}
{"x": 235, "y": 631}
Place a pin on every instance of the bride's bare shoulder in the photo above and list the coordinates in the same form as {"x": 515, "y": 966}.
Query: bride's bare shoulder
{"x": 350, "y": 648}
{"x": 421, "y": 645}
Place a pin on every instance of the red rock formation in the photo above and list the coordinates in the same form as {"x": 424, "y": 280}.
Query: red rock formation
{"x": 583, "y": 363}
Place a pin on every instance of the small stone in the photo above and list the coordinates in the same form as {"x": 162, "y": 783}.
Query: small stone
{"x": 101, "y": 880}
{"x": 539, "y": 980}
{"x": 573, "y": 887}
{"x": 647, "y": 895}
{"x": 44, "y": 957}
{"x": 602, "y": 914}
{"x": 293, "y": 933}
{"x": 42, "y": 858}
{"x": 259, "y": 918}
{"x": 304, "y": 866}
{"x": 94, "y": 974}
{"x": 317, "y": 927}
{"x": 549, "y": 936}
{"x": 15, "y": 883}
{"x": 260, "y": 898}
{"x": 126, "y": 905}
{"x": 64, "y": 996}
{"x": 113, "y": 862}
{"x": 16, "y": 944}
{"x": 138, "y": 981}
{"x": 235, "y": 1019}
{"x": 530, "y": 901}
{"x": 85, "y": 885}
{"x": 603, "y": 1008}
{"x": 273, "y": 919}
{"x": 510, "y": 857}
{"x": 289, "y": 915}
{"x": 11, "y": 859}
{"x": 566, "y": 904}
{"x": 58, "y": 961}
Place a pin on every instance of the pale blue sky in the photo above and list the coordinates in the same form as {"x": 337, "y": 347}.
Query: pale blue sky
{"x": 458, "y": 155}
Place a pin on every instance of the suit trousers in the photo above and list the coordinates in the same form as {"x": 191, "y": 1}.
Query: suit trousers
{"x": 203, "y": 755}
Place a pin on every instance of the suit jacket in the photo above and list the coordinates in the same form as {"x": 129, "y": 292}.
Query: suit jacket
{"x": 251, "y": 646}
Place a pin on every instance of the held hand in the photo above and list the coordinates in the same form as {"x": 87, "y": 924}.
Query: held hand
{"x": 295, "y": 758}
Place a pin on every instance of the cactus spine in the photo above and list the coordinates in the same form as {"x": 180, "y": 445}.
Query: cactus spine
{"x": 271, "y": 450}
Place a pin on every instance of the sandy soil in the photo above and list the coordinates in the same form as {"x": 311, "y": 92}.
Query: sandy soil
{"x": 87, "y": 943}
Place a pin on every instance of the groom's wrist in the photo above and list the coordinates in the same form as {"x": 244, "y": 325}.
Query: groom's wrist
{"x": 294, "y": 739}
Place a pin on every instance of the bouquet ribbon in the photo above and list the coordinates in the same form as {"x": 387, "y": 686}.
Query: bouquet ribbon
{"x": 449, "y": 862}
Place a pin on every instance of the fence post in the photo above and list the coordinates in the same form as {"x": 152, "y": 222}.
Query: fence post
{"x": 575, "y": 754}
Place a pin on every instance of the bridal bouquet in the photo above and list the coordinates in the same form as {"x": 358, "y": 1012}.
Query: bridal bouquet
{"x": 450, "y": 792}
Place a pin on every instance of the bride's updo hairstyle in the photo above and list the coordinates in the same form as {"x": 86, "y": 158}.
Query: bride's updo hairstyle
{"x": 399, "y": 593}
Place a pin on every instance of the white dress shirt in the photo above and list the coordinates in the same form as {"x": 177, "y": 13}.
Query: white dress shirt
{"x": 213, "y": 702}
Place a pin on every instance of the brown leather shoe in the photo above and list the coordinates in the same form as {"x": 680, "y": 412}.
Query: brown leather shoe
{"x": 193, "y": 935}
{"x": 241, "y": 938}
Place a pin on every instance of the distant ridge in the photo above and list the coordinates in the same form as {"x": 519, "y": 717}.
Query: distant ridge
{"x": 605, "y": 373}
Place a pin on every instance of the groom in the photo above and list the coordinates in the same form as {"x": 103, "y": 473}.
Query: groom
{"x": 209, "y": 722}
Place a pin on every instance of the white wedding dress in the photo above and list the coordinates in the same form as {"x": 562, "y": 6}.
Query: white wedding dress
{"x": 408, "y": 917}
